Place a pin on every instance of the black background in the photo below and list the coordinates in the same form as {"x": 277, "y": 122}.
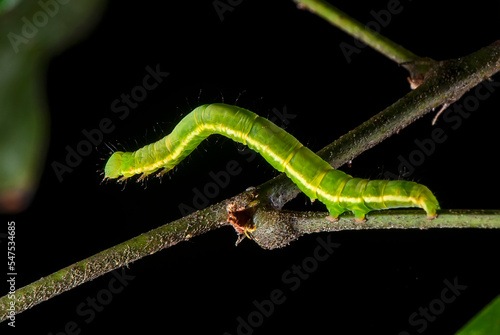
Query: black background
{"x": 262, "y": 56}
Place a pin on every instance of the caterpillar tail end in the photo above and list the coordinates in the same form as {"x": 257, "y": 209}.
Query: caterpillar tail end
{"x": 429, "y": 203}
{"x": 112, "y": 170}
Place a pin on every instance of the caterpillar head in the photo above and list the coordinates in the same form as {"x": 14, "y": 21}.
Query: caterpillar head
{"x": 113, "y": 168}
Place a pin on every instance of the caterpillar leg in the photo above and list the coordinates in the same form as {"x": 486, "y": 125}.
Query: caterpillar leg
{"x": 359, "y": 216}
{"x": 332, "y": 219}
{"x": 143, "y": 176}
{"x": 334, "y": 214}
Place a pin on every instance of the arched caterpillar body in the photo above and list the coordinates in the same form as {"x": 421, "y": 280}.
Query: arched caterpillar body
{"x": 315, "y": 177}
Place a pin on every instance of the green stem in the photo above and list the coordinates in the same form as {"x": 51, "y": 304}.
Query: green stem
{"x": 360, "y": 31}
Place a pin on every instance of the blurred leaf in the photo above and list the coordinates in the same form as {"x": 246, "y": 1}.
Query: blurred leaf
{"x": 486, "y": 322}
{"x": 5, "y": 5}
{"x": 32, "y": 31}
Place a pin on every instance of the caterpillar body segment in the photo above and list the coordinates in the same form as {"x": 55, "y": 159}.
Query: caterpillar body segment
{"x": 315, "y": 177}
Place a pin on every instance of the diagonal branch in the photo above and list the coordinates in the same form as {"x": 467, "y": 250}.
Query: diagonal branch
{"x": 445, "y": 83}
{"x": 274, "y": 228}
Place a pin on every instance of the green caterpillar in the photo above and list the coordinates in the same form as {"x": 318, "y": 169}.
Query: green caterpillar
{"x": 316, "y": 178}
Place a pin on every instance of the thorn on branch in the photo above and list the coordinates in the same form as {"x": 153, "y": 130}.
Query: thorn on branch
{"x": 418, "y": 70}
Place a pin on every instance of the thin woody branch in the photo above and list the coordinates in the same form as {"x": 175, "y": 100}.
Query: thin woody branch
{"x": 276, "y": 229}
{"x": 445, "y": 83}
{"x": 115, "y": 257}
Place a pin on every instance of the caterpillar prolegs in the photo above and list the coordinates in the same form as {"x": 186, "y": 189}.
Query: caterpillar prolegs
{"x": 339, "y": 191}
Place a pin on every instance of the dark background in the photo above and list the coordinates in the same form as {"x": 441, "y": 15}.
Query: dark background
{"x": 262, "y": 56}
